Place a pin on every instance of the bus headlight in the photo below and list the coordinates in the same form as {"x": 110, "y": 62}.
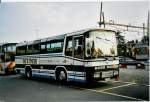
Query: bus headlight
{"x": 96, "y": 75}
{"x": 113, "y": 66}
{"x": 99, "y": 67}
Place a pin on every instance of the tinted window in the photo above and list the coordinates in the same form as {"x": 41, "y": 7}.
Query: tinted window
{"x": 49, "y": 47}
{"x": 55, "y": 46}
{"x": 29, "y": 49}
{"x": 43, "y": 48}
{"x": 0, "y": 49}
{"x": 33, "y": 49}
{"x": 21, "y": 50}
{"x": 69, "y": 46}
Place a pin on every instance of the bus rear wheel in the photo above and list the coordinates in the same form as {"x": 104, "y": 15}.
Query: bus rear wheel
{"x": 6, "y": 71}
{"x": 61, "y": 76}
{"x": 28, "y": 73}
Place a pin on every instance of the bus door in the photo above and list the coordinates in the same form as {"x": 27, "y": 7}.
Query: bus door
{"x": 69, "y": 58}
{"x": 78, "y": 54}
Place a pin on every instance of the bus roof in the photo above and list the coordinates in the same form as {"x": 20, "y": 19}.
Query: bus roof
{"x": 61, "y": 36}
{"x": 6, "y": 44}
{"x": 87, "y": 30}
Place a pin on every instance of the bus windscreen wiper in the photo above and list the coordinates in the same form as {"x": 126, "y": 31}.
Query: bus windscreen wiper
{"x": 105, "y": 40}
{"x": 102, "y": 39}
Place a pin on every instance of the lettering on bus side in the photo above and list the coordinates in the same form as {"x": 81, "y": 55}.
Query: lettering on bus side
{"x": 29, "y": 61}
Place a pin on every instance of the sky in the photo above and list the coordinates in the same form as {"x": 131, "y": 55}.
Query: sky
{"x": 29, "y": 21}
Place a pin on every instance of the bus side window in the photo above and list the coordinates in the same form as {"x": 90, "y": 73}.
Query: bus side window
{"x": 35, "y": 49}
{"x": 43, "y": 48}
{"x": 49, "y": 47}
{"x": 55, "y": 46}
{"x": 29, "y": 49}
{"x": 69, "y": 46}
{"x": 21, "y": 50}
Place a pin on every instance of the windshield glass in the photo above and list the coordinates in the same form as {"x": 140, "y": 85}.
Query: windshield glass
{"x": 10, "y": 48}
{"x": 100, "y": 43}
{"x": 0, "y": 49}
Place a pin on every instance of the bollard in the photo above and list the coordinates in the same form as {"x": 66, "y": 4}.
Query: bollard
{"x": 117, "y": 78}
{"x": 123, "y": 66}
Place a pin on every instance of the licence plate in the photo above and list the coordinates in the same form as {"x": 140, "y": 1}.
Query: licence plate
{"x": 107, "y": 74}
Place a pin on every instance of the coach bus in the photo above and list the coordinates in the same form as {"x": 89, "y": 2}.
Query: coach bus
{"x": 140, "y": 51}
{"x": 85, "y": 56}
{"x": 7, "y": 57}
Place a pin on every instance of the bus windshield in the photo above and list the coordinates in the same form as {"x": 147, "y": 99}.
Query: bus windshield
{"x": 100, "y": 44}
{"x": 10, "y": 48}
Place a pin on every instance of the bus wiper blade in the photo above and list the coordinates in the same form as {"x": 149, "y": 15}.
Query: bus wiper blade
{"x": 103, "y": 39}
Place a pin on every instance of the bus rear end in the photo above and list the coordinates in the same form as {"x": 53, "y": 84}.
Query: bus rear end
{"x": 140, "y": 52}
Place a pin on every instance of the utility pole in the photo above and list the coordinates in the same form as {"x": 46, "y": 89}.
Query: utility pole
{"x": 101, "y": 19}
{"x": 100, "y": 15}
{"x": 143, "y": 29}
{"x": 148, "y": 22}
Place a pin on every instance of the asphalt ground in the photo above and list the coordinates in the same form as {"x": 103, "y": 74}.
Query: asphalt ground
{"x": 15, "y": 88}
{"x": 131, "y": 74}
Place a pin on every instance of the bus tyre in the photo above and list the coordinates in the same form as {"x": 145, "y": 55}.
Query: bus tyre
{"x": 14, "y": 71}
{"x": 28, "y": 73}
{"x": 6, "y": 71}
{"x": 61, "y": 76}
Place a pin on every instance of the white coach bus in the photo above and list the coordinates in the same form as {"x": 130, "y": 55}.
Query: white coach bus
{"x": 86, "y": 55}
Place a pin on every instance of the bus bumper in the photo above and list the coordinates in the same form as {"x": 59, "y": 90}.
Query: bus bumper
{"x": 112, "y": 74}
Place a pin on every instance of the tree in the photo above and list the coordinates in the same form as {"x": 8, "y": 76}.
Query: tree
{"x": 145, "y": 40}
{"x": 121, "y": 44}
{"x": 136, "y": 41}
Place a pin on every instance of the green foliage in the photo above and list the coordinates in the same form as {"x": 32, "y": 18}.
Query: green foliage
{"x": 121, "y": 44}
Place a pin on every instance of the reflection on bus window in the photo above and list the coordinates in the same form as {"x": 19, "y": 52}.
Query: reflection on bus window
{"x": 49, "y": 47}
{"x": 69, "y": 46}
{"x": 55, "y": 46}
{"x": 43, "y": 48}
{"x": 100, "y": 43}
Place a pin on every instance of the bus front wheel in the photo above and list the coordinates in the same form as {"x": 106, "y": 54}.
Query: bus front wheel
{"x": 61, "y": 76}
{"x": 6, "y": 71}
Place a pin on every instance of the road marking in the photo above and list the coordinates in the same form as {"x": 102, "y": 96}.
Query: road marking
{"x": 117, "y": 87}
{"x": 11, "y": 76}
{"x": 129, "y": 83}
{"x": 133, "y": 98}
{"x": 122, "y": 96}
